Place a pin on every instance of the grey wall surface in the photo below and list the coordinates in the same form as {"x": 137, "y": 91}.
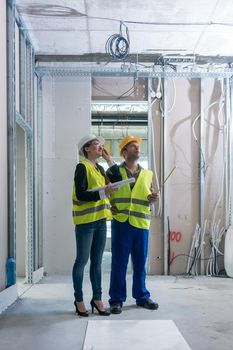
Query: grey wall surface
{"x": 3, "y": 147}
{"x": 66, "y": 118}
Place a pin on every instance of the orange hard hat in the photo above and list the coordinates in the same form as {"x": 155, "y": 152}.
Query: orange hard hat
{"x": 126, "y": 140}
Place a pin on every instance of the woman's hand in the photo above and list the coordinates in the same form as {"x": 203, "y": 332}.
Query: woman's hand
{"x": 106, "y": 155}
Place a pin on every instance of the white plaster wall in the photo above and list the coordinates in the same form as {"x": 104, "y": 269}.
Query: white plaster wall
{"x": 182, "y": 188}
{"x": 112, "y": 88}
{"x": 66, "y": 118}
{"x": 215, "y": 143}
{"x": 3, "y": 147}
{"x": 182, "y": 191}
{"x": 215, "y": 158}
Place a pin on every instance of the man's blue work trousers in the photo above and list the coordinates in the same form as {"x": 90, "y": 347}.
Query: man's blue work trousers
{"x": 126, "y": 240}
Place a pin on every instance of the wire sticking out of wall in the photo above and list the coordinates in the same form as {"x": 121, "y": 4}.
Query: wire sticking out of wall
{"x": 117, "y": 45}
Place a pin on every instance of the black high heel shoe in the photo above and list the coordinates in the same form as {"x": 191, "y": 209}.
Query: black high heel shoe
{"x": 101, "y": 313}
{"x": 80, "y": 313}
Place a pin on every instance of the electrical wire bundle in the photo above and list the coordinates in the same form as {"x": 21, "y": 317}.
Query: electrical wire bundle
{"x": 117, "y": 46}
{"x": 196, "y": 250}
{"x": 212, "y": 268}
{"x": 197, "y": 246}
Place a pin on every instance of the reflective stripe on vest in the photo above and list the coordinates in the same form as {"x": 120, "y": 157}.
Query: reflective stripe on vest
{"x": 133, "y": 205}
{"x": 85, "y": 212}
{"x": 128, "y": 200}
{"x": 91, "y": 210}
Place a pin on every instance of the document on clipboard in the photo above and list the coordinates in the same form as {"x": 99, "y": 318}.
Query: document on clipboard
{"x": 117, "y": 184}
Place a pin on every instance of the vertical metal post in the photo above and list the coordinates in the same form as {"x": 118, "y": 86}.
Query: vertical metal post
{"x": 163, "y": 171}
{"x": 22, "y": 58}
{"x": 149, "y": 141}
{"x": 40, "y": 170}
{"x": 29, "y": 168}
{"x": 149, "y": 126}
{"x": 11, "y": 129}
{"x": 34, "y": 158}
{"x": 29, "y": 207}
{"x": 202, "y": 170}
{"x": 229, "y": 160}
{"x": 231, "y": 152}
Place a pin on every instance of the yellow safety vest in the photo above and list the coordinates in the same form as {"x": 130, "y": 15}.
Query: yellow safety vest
{"x": 133, "y": 205}
{"x": 85, "y": 212}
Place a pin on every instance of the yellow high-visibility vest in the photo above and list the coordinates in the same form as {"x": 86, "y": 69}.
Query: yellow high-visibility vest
{"x": 133, "y": 205}
{"x": 85, "y": 212}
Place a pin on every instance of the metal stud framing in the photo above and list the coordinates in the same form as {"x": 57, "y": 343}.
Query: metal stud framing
{"x": 163, "y": 172}
{"x": 11, "y": 129}
{"x": 24, "y": 120}
{"x": 196, "y": 72}
{"x": 229, "y": 156}
{"x": 29, "y": 166}
{"x": 40, "y": 171}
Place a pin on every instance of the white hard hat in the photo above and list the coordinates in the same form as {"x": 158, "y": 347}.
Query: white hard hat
{"x": 87, "y": 139}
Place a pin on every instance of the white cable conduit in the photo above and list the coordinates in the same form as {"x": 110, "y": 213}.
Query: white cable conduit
{"x": 153, "y": 162}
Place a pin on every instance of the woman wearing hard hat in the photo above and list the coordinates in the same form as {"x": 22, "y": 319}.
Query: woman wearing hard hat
{"x": 130, "y": 225}
{"x": 91, "y": 209}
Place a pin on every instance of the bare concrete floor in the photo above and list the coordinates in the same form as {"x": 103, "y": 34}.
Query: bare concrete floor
{"x": 43, "y": 317}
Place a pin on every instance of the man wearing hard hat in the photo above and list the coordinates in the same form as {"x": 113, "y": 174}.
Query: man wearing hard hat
{"x": 130, "y": 225}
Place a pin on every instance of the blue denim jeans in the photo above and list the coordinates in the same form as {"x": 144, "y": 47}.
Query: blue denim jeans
{"x": 90, "y": 242}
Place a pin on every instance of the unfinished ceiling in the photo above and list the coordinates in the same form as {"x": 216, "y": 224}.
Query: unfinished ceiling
{"x": 82, "y": 27}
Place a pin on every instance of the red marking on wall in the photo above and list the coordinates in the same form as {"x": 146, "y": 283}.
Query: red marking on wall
{"x": 174, "y": 236}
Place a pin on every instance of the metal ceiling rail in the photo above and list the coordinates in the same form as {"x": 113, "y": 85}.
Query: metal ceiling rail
{"x": 155, "y": 58}
{"x": 137, "y": 72}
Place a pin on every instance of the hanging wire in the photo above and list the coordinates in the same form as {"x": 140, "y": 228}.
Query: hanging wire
{"x": 117, "y": 46}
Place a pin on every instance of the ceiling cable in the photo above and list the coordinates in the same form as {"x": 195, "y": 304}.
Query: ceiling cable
{"x": 117, "y": 45}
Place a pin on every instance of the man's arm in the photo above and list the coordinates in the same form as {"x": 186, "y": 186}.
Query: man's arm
{"x": 113, "y": 173}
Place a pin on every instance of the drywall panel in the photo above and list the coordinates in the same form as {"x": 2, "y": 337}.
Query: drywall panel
{"x": 119, "y": 88}
{"x": 183, "y": 105}
{"x": 215, "y": 139}
{"x": 66, "y": 118}
{"x": 182, "y": 189}
{"x": 3, "y": 147}
{"x": 181, "y": 98}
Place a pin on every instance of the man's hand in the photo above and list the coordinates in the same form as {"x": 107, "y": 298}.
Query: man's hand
{"x": 114, "y": 210}
{"x": 152, "y": 197}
